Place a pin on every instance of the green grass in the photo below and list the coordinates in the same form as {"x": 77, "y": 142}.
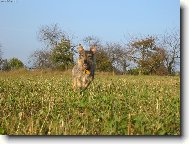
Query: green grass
{"x": 43, "y": 103}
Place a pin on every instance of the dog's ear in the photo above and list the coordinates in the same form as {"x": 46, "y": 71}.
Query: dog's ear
{"x": 93, "y": 49}
{"x": 80, "y": 48}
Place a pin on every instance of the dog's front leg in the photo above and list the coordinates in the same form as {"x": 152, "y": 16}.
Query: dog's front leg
{"x": 74, "y": 84}
{"x": 85, "y": 82}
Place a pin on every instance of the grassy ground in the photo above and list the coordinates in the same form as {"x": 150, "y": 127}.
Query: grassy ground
{"x": 43, "y": 103}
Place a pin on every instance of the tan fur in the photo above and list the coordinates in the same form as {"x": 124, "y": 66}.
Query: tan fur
{"x": 81, "y": 75}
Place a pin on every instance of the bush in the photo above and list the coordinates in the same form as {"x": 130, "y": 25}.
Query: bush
{"x": 15, "y": 63}
{"x": 134, "y": 71}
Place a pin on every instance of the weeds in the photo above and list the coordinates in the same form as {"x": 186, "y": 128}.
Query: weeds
{"x": 44, "y": 104}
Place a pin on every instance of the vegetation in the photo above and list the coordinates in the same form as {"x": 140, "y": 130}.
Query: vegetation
{"x": 15, "y": 63}
{"x": 12, "y": 64}
{"x": 138, "y": 102}
{"x": 103, "y": 62}
{"x": 141, "y": 55}
{"x": 58, "y": 52}
{"x": 43, "y": 103}
{"x": 62, "y": 56}
{"x": 151, "y": 55}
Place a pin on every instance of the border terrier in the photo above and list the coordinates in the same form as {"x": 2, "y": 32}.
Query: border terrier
{"x": 83, "y": 71}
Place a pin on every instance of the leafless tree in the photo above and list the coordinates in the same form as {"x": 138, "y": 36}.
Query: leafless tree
{"x": 51, "y": 35}
{"x": 118, "y": 55}
{"x": 170, "y": 41}
{"x": 1, "y": 59}
{"x": 1, "y": 53}
{"x": 41, "y": 59}
{"x": 92, "y": 40}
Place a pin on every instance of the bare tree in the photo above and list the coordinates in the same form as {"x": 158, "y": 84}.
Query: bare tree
{"x": 118, "y": 55}
{"x": 4, "y": 65}
{"x": 41, "y": 59}
{"x": 1, "y": 59}
{"x": 171, "y": 43}
{"x": 51, "y": 35}
{"x": 1, "y": 53}
{"x": 91, "y": 41}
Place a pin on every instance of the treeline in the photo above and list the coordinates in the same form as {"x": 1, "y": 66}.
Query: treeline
{"x": 147, "y": 55}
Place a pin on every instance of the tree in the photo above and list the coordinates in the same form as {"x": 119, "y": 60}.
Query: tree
{"x": 171, "y": 43}
{"x": 62, "y": 55}
{"x": 1, "y": 59}
{"x": 41, "y": 59}
{"x": 148, "y": 56}
{"x": 103, "y": 62}
{"x": 58, "y": 52}
{"x": 50, "y": 35}
{"x": 4, "y": 65}
{"x": 91, "y": 41}
{"x": 118, "y": 55}
{"x": 110, "y": 57}
{"x": 156, "y": 62}
{"x": 15, "y": 63}
{"x": 1, "y": 53}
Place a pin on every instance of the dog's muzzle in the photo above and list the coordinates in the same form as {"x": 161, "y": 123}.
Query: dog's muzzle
{"x": 85, "y": 65}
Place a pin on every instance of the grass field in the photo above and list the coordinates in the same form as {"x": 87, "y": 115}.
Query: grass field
{"x": 43, "y": 103}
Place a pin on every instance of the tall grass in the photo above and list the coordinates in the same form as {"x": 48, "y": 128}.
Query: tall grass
{"x": 43, "y": 103}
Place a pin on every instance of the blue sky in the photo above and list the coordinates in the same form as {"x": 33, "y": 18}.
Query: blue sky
{"x": 110, "y": 20}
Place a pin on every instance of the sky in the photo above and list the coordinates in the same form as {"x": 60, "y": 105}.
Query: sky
{"x": 109, "y": 20}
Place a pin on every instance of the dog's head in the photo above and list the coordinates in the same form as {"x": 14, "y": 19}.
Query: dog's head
{"x": 86, "y": 58}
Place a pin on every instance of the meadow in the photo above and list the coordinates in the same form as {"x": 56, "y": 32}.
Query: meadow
{"x": 43, "y": 103}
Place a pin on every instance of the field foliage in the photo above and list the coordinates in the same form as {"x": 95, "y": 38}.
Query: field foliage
{"x": 43, "y": 103}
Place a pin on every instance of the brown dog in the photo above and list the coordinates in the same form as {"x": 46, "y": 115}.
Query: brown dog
{"x": 83, "y": 71}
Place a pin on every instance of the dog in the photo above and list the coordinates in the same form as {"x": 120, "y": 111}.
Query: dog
{"x": 83, "y": 71}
